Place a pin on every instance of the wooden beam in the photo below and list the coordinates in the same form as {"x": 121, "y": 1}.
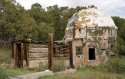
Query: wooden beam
{"x": 50, "y": 51}
{"x": 71, "y": 55}
{"x": 27, "y": 53}
{"x": 12, "y": 50}
{"x": 15, "y": 54}
{"x": 22, "y": 54}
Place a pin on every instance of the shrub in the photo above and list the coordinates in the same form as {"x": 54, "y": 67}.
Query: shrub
{"x": 58, "y": 65}
{"x": 115, "y": 65}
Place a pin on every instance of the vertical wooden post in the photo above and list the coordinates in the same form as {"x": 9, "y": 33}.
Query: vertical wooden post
{"x": 27, "y": 54}
{"x": 70, "y": 48}
{"x": 71, "y": 55}
{"x": 15, "y": 54}
{"x": 22, "y": 54}
{"x": 50, "y": 51}
{"x": 12, "y": 50}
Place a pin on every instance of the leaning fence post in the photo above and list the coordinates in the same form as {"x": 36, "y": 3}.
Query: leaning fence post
{"x": 50, "y": 51}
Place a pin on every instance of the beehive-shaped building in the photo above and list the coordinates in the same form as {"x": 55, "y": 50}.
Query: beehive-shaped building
{"x": 92, "y": 34}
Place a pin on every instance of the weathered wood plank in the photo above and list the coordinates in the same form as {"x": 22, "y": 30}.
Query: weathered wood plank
{"x": 38, "y": 55}
{"x": 45, "y": 58}
{"x": 37, "y": 50}
{"x": 37, "y": 46}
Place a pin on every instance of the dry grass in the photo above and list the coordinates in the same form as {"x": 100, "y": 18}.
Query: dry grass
{"x": 89, "y": 73}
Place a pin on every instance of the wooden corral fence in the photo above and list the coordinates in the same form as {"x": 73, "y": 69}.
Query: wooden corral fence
{"x": 31, "y": 54}
{"x": 37, "y": 54}
{"x": 28, "y": 54}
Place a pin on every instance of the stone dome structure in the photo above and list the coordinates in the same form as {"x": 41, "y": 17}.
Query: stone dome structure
{"x": 90, "y": 17}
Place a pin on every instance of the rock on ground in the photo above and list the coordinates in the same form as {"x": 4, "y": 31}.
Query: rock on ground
{"x": 39, "y": 74}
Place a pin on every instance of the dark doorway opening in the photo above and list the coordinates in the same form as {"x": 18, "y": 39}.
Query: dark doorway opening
{"x": 91, "y": 53}
{"x": 26, "y": 54}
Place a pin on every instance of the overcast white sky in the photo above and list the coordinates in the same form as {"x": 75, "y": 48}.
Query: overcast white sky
{"x": 112, "y": 7}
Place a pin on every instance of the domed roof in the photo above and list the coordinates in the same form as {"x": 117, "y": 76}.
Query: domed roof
{"x": 90, "y": 17}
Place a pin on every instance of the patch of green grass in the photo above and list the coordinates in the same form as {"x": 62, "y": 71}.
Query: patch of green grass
{"x": 87, "y": 73}
{"x": 11, "y": 72}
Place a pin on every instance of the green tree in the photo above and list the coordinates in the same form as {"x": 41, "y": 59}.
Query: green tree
{"x": 37, "y": 12}
{"x": 120, "y": 47}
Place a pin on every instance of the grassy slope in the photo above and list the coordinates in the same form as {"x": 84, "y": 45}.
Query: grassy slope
{"x": 88, "y": 73}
